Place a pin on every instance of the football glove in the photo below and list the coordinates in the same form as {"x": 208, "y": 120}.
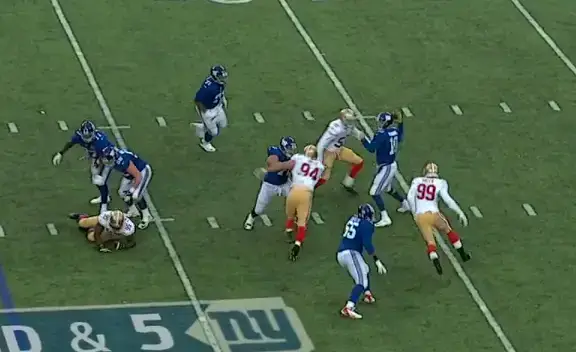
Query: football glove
{"x": 103, "y": 249}
{"x": 358, "y": 134}
{"x": 381, "y": 268}
{"x": 57, "y": 159}
{"x": 463, "y": 219}
{"x": 225, "y": 102}
{"x": 398, "y": 116}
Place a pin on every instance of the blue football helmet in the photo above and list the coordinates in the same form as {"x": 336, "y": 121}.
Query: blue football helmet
{"x": 288, "y": 145}
{"x": 219, "y": 74}
{"x": 109, "y": 155}
{"x": 87, "y": 131}
{"x": 366, "y": 212}
{"x": 385, "y": 119}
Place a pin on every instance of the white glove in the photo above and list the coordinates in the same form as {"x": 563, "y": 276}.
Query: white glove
{"x": 380, "y": 266}
{"x": 358, "y": 134}
{"x": 463, "y": 219}
{"x": 225, "y": 102}
{"x": 57, "y": 159}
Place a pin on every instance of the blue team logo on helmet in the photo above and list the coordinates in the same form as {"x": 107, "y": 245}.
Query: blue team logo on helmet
{"x": 385, "y": 119}
{"x": 288, "y": 146}
{"x": 109, "y": 155}
{"x": 87, "y": 131}
{"x": 219, "y": 74}
{"x": 366, "y": 211}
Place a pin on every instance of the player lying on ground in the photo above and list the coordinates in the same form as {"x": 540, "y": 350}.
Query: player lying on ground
{"x": 110, "y": 231}
{"x": 423, "y": 199}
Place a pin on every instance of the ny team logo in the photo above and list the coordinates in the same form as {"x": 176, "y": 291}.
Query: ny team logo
{"x": 259, "y": 324}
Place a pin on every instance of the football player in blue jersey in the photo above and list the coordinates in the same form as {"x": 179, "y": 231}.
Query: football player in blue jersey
{"x": 357, "y": 237}
{"x": 137, "y": 174}
{"x": 94, "y": 142}
{"x": 210, "y": 104}
{"x": 385, "y": 145}
{"x": 276, "y": 181}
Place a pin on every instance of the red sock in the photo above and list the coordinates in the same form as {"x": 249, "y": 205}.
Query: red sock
{"x": 301, "y": 234}
{"x": 431, "y": 248}
{"x": 320, "y": 182}
{"x": 289, "y": 223}
{"x": 453, "y": 237}
{"x": 356, "y": 169}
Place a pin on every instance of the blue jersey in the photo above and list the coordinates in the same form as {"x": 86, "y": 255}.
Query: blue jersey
{"x": 210, "y": 94}
{"x": 358, "y": 236}
{"x": 123, "y": 160}
{"x": 95, "y": 146}
{"x": 385, "y": 144}
{"x": 281, "y": 177}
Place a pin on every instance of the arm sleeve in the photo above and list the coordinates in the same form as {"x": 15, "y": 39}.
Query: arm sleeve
{"x": 401, "y": 131}
{"x": 325, "y": 140}
{"x": 367, "y": 233}
{"x": 75, "y": 139}
{"x": 450, "y": 202}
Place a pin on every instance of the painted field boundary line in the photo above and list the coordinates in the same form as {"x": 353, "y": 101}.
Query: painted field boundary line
{"x": 167, "y": 241}
{"x": 348, "y": 99}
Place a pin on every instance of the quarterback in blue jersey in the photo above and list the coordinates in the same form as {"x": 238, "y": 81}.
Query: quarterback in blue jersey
{"x": 94, "y": 142}
{"x": 385, "y": 145}
{"x": 137, "y": 174}
{"x": 357, "y": 237}
{"x": 210, "y": 103}
{"x": 276, "y": 181}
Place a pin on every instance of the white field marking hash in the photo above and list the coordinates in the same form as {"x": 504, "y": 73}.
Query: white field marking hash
{"x": 259, "y": 173}
{"x": 554, "y": 105}
{"x": 116, "y": 127}
{"x": 505, "y": 107}
{"x": 447, "y": 251}
{"x": 161, "y": 121}
{"x": 258, "y": 117}
{"x": 2, "y": 233}
{"x": 62, "y": 125}
{"x": 167, "y": 219}
{"x": 266, "y": 220}
{"x": 529, "y": 210}
{"x": 406, "y": 111}
{"x": 474, "y": 209}
{"x": 52, "y": 229}
{"x": 12, "y": 127}
{"x": 317, "y": 218}
{"x": 167, "y": 241}
{"x": 308, "y": 116}
{"x": 456, "y": 109}
{"x": 212, "y": 222}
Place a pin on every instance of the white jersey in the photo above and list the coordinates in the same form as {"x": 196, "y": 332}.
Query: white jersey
{"x": 126, "y": 230}
{"x": 306, "y": 171}
{"x": 424, "y": 193}
{"x": 334, "y": 137}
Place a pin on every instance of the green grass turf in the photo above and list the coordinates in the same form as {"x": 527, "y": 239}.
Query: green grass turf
{"x": 149, "y": 57}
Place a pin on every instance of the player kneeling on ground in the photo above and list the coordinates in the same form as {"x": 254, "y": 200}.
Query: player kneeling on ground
{"x": 111, "y": 230}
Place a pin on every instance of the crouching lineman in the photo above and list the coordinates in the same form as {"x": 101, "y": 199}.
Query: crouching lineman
{"x": 276, "y": 181}
{"x": 305, "y": 174}
{"x": 137, "y": 174}
{"x": 357, "y": 237}
{"x": 423, "y": 199}
{"x": 331, "y": 147}
{"x": 110, "y": 231}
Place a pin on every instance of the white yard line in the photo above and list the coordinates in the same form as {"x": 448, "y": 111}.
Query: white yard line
{"x": 477, "y": 213}
{"x": 317, "y": 218}
{"x": 456, "y": 109}
{"x": 12, "y": 127}
{"x": 52, "y": 229}
{"x": 259, "y": 118}
{"x": 407, "y": 112}
{"x": 161, "y": 121}
{"x": 62, "y": 125}
{"x": 183, "y": 276}
{"x": 344, "y": 93}
{"x": 213, "y": 222}
{"x": 554, "y": 105}
{"x": 116, "y": 127}
{"x": 529, "y": 210}
{"x": 308, "y": 115}
{"x": 505, "y": 107}
{"x": 2, "y": 233}
{"x": 266, "y": 220}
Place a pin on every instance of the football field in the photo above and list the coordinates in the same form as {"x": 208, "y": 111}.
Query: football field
{"x": 489, "y": 90}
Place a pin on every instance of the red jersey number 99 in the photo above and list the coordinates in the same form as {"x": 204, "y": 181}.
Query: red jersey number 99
{"x": 307, "y": 171}
{"x": 426, "y": 192}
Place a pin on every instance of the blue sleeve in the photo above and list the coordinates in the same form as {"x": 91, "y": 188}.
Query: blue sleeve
{"x": 400, "y": 132}
{"x": 122, "y": 164}
{"x": 367, "y": 232}
{"x": 76, "y": 139}
{"x": 201, "y": 95}
{"x": 372, "y": 145}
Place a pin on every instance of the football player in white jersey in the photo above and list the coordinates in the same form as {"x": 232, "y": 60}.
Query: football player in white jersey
{"x": 110, "y": 231}
{"x": 331, "y": 147}
{"x": 423, "y": 199}
{"x": 305, "y": 174}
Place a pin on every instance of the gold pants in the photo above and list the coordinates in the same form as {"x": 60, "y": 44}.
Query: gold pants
{"x": 430, "y": 221}
{"x": 298, "y": 204}
{"x": 344, "y": 154}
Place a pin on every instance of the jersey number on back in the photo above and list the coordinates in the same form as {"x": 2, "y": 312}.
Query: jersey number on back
{"x": 393, "y": 145}
{"x": 351, "y": 226}
{"x": 306, "y": 170}
{"x": 427, "y": 192}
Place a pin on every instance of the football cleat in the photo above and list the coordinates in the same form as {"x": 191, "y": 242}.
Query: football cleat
{"x": 384, "y": 220}
{"x": 437, "y": 265}
{"x": 144, "y": 223}
{"x": 368, "y": 298}
{"x": 207, "y": 146}
{"x": 294, "y": 252}
{"x": 77, "y": 216}
{"x": 350, "y": 313}
{"x": 98, "y": 200}
{"x": 404, "y": 208}
{"x": 249, "y": 223}
{"x": 463, "y": 254}
{"x": 133, "y": 212}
